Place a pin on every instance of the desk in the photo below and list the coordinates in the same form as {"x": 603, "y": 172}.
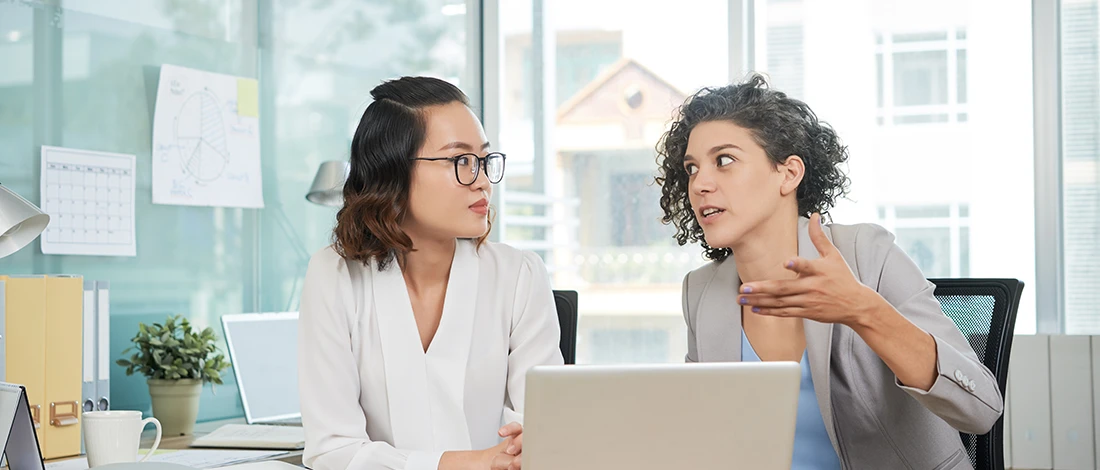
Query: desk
{"x": 184, "y": 442}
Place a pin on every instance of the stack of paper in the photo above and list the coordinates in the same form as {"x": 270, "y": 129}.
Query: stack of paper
{"x": 199, "y": 459}
{"x": 254, "y": 436}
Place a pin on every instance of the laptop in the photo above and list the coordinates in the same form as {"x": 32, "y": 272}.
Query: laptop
{"x": 263, "y": 348}
{"x": 657, "y": 417}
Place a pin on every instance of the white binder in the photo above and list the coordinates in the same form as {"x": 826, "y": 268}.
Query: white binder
{"x": 87, "y": 387}
{"x": 3, "y": 336}
{"x": 1006, "y": 430}
{"x": 96, "y": 382}
{"x": 1071, "y": 401}
{"x": 95, "y": 388}
{"x": 103, "y": 346}
{"x": 1030, "y": 389}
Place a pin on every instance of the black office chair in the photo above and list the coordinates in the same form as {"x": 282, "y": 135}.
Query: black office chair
{"x": 985, "y": 312}
{"x": 566, "y": 301}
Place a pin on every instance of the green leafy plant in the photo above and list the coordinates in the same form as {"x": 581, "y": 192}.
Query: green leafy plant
{"x": 175, "y": 351}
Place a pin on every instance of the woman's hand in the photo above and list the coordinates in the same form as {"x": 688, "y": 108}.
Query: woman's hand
{"x": 472, "y": 459}
{"x": 510, "y": 457}
{"x": 825, "y": 289}
{"x": 503, "y": 456}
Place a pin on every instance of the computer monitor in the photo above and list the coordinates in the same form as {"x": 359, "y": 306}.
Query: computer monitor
{"x": 263, "y": 348}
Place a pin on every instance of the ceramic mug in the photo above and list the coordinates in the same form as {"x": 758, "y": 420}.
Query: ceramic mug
{"x": 114, "y": 436}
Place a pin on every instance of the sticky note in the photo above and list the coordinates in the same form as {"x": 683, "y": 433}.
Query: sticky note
{"x": 248, "y": 97}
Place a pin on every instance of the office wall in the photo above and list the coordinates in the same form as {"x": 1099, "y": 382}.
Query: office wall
{"x": 83, "y": 74}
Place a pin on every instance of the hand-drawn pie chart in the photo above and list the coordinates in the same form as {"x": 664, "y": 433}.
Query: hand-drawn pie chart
{"x": 200, "y": 137}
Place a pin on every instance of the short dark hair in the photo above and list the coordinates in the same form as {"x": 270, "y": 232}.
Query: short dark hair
{"x": 782, "y": 125}
{"x": 376, "y": 193}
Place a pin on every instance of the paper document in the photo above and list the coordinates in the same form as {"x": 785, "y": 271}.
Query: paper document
{"x": 90, "y": 199}
{"x": 265, "y": 465}
{"x": 200, "y": 459}
{"x": 254, "y": 436}
{"x": 206, "y": 140}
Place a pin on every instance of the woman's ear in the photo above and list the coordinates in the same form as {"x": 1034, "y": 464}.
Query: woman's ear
{"x": 793, "y": 170}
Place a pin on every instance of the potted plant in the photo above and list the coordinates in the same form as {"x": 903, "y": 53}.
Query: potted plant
{"x": 177, "y": 361}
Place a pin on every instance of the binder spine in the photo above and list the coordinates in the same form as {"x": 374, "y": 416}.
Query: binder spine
{"x": 103, "y": 345}
{"x": 88, "y": 355}
{"x": 3, "y": 331}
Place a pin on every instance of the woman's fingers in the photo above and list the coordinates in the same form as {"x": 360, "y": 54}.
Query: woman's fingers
{"x": 517, "y": 445}
{"x": 797, "y": 312}
{"x": 510, "y": 429}
{"x": 777, "y": 287}
{"x": 501, "y": 462}
{"x": 774, "y": 301}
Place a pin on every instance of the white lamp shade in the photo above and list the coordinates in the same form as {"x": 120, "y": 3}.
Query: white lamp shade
{"x": 20, "y": 222}
{"x": 328, "y": 185}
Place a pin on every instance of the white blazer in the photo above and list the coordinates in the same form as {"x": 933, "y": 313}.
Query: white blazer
{"x": 371, "y": 398}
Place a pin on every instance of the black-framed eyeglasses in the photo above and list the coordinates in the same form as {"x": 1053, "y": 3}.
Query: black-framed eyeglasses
{"x": 468, "y": 165}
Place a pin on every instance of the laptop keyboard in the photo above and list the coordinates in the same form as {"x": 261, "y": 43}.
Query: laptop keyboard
{"x": 284, "y": 422}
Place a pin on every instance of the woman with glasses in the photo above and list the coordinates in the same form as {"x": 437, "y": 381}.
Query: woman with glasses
{"x": 888, "y": 381}
{"x": 415, "y": 333}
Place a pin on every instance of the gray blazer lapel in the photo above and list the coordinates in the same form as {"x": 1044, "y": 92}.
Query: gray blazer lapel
{"x": 819, "y": 339}
{"x": 718, "y": 331}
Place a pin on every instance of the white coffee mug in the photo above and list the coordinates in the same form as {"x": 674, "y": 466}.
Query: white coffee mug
{"x": 114, "y": 436}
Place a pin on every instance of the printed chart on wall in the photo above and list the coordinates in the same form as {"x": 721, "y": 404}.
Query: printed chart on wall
{"x": 90, "y": 199}
{"x": 206, "y": 140}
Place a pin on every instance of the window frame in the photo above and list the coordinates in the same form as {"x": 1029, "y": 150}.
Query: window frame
{"x": 886, "y": 51}
{"x": 954, "y": 222}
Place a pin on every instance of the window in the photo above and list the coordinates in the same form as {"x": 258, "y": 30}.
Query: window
{"x": 1081, "y": 166}
{"x": 921, "y": 77}
{"x": 636, "y": 345}
{"x": 583, "y": 55}
{"x": 785, "y": 58}
{"x": 95, "y": 61}
{"x": 939, "y": 129}
{"x": 923, "y": 106}
{"x": 636, "y": 204}
{"x": 935, "y": 237}
{"x": 579, "y": 188}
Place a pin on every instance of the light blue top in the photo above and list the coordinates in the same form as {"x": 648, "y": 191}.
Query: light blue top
{"x": 812, "y": 448}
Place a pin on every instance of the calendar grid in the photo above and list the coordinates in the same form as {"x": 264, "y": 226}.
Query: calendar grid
{"x": 90, "y": 199}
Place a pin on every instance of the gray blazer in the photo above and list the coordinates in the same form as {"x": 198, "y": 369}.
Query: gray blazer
{"x": 873, "y": 421}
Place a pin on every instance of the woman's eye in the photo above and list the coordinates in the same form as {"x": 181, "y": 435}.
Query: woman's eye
{"x": 462, "y": 161}
{"x": 691, "y": 169}
{"x": 724, "y": 160}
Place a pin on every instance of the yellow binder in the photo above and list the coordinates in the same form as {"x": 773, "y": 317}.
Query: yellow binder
{"x": 63, "y": 338}
{"x": 25, "y": 351}
{"x": 43, "y": 322}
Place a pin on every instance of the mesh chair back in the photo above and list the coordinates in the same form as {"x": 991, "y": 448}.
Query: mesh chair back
{"x": 566, "y": 302}
{"x": 984, "y": 310}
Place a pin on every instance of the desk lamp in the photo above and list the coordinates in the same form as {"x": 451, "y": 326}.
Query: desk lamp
{"x": 328, "y": 184}
{"x": 20, "y": 221}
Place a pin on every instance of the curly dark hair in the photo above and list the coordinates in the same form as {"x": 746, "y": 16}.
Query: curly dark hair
{"x": 781, "y": 125}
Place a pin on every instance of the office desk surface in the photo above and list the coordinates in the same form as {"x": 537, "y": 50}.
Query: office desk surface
{"x": 184, "y": 442}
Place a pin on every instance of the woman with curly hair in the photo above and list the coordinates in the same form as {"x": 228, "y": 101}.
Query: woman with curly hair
{"x": 888, "y": 381}
{"x": 415, "y": 333}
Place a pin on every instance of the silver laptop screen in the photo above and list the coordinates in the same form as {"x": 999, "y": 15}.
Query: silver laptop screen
{"x": 264, "y": 350}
